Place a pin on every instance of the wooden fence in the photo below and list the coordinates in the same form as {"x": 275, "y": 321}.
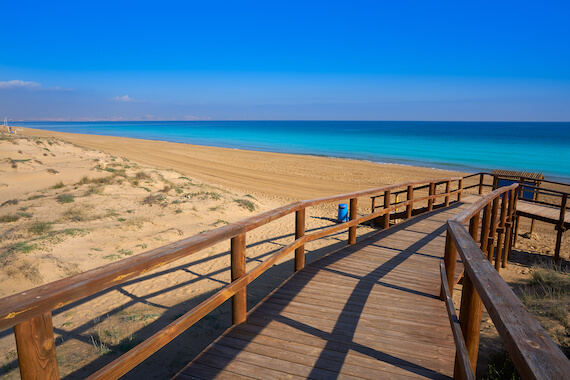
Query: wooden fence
{"x": 30, "y": 314}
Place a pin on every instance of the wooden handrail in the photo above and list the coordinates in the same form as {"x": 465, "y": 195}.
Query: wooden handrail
{"x": 532, "y": 350}
{"x": 462, "y": 354}
{"x": 35, "y": 305}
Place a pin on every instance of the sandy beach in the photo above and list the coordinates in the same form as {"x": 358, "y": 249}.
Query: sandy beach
{"x": 71, "y": 202}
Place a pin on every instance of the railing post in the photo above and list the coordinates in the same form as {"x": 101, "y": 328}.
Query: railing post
{"x": 299, "y": 233}
{"x": 386, "y": 219}
{"x": 375, "y": 220}
{"x": 501, "y": 234}
{"x": 460, "y": 188}
{"x": 431, "y": 192}
{"x": 410, "y": 206}
{"x": 492, "y": 230}
{"x": 485, "y": 230}
{"x": 450, "y": 261}
{"x": 560, "y": 227}
{"x": 447, "y": 188}
{"x": 481, "y": 179}
{"x": 509, "y": 227}
{"x": 36, "y": 348}
{"x": 470, "y": 319}
{"x": 239, "y": 300}
{"x": 474, "y": 225}
{"x": 352, "y": 216}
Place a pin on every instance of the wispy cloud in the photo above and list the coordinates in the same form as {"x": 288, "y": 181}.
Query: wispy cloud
{"x": 124, "y": 98}
{"x": 18, "y": 84}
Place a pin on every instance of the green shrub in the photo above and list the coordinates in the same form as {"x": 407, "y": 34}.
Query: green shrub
{"x": 65, "y": 198}
{"x": 9, "y": 218}
{"x": 245, "y": 204}
{"x": 40, "y": 228}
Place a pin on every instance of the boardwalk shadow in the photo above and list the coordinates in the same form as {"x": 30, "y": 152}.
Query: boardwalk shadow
{"x": 341, "y": 338}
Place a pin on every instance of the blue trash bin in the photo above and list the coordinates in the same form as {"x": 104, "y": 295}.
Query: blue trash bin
{"x": 342, "y": 212}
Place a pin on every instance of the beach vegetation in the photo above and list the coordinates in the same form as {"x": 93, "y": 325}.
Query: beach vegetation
{"x": 501, "y": 367}
{"x": 58, "y": 185}
{"x": 203, "y": 195}
{"x": 155, "y": 199}
{"x": 143, "y": 246}
{"x": 14, "y": 163}
{"x": 22, "y": 247}
{"x": 75, "y": 214}
{"x": 143, "y": 176}
{"x": 178, "y": 211}
{"x": 547, "y": 297}
{"x": 100, "y": 347}
{"x": 111, "y": 213}
{"x": 65, "y": 198}
{"x": 94, "y": 189}
{"x": 25, "y": 214}
{"x": 125, "y": 252}
{"x": 40, "y": 228}
{"x": 220, "y": 222}
{"x": 112, "y": 257}
{"x": 76, "y": 231}
{"x": 145, "y": 188}
{"x": 84, "y": 180}
{"x": 247, "y": 204}
{"x": 37, "y": 196}
{"x": 10, "y": 202}
{"x": 52, "y": 171}
{"x": 9, "y": 218}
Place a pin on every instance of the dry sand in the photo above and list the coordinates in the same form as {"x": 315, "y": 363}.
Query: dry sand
{"x": 79, "y": 202}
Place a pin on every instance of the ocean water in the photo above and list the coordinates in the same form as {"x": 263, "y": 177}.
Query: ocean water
{"x": 465, "y": 146}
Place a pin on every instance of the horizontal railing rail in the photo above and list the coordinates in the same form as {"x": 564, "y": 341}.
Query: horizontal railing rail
{"x": 29, "y": 312}
{"x": 532, "y": 350}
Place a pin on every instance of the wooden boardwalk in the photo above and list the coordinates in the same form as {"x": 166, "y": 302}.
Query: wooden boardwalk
{"x": 369, "y": 311}
{"x": 545, "y": 213}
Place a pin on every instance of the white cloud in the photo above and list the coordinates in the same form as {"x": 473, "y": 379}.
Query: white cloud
{"x": 18, "y": 84}
{"x": 124, "y": 98}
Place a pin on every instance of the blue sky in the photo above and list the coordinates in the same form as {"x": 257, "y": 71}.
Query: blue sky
{"x": 295, "y": 60}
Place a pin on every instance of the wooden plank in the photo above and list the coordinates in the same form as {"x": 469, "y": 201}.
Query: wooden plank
{"x": 313, "y": 336}
{"x": 433, "y": 357}
{"x": 360, "y": 366}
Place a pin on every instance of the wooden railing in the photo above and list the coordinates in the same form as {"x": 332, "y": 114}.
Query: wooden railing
{"x": 533, "y": 352}
{"x": 541, "y": 195}
{"x": 30, "y": 312}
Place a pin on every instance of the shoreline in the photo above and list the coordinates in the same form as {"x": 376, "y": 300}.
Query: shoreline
{"x": 411, "y": 147}
{"x": 282, "y": 175}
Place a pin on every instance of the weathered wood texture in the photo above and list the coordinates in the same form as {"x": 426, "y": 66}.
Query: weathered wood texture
{"x": 36, "y": 348}
{"x": 371, "y": 310}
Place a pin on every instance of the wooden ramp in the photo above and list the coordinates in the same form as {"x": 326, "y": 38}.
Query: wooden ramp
{"x": 369, "y": 311}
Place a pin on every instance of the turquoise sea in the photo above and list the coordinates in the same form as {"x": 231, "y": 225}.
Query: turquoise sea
{"x": 465, "y": 146}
